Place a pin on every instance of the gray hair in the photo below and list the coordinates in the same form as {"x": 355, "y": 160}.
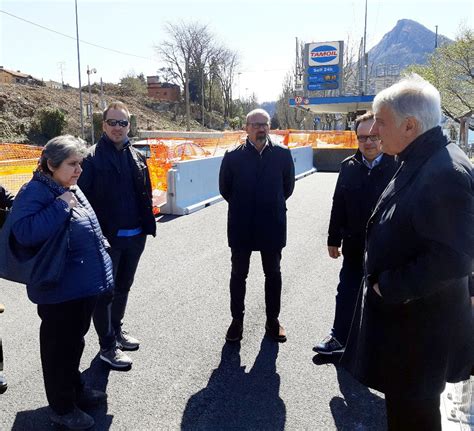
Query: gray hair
{"x": 255, "y": 112}
{"x": 59, "y": 149}
{"x": 412, "y": 97}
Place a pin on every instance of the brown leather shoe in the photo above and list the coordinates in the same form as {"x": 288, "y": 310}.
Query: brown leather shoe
{"x": 234, "y": 333}
{"x": 275, "y": 331}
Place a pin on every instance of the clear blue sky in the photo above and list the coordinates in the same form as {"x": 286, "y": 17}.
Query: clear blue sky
{"x": 262, "y": 31}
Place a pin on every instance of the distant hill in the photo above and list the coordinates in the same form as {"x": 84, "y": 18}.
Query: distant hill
{"x": 407, "y": 43}
{"x": 270, "y": 107}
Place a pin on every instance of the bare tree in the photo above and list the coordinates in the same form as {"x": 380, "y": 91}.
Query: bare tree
{"x": 183, "y": 51}
{"x": 227, "y": 63}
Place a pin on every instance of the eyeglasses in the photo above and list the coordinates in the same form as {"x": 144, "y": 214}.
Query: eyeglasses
{"x": 372, "y": 138}
{"x": 113, "y": 123}
{"x": 258, "y": 125}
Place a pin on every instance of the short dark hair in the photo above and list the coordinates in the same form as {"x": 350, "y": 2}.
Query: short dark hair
{"x": 369, "y": 115}
{"x": 116, "y": 105}
{"x": 59, "y": 149}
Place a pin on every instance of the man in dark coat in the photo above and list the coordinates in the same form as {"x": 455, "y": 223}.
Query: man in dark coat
{"x": 116, "y": 182}
{"x": 413, "y": 328}
{"x": 6, "y": 202}
{"x": 362, "y": 179}
{"x": 256, "y": 179}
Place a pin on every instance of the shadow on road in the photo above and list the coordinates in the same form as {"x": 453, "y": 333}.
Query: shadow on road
{"x": 234, "y": 399}
{"x": 96, "y": 376}
{"x": 358, "y": 409}
{"x": 165, "y": 218}
{"x": 32, "y": 420}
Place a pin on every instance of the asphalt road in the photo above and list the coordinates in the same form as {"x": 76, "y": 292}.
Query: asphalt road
{"x": 185, "y": 376}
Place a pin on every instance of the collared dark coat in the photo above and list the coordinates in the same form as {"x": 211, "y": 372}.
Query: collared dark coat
{"x": 357, "y": 191}
{"x": 99, "y": 180}
{"x": 419, "y": 247}
{"x": 256, "y": 188}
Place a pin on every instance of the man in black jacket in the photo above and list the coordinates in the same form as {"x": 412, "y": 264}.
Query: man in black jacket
{"x": 6, "y": 202}
{"x": 362, "y": 179}
{"x": 413, "y": 328}
{"x": 255, "y": 179}
{"x": 116, "y": 182}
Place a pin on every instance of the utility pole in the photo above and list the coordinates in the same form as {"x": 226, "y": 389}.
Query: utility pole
{"x": 365, "y": 57}
{"x": 102, "y": 102}
{"x": 79, "y": 72}
{"x": 61, "y": 67}
{"x": 436, "y": 37}
{"x": 91, "y": 116}
{"x": 186, "y": 89}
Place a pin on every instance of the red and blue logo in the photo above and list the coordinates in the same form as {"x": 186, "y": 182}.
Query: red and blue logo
{"x": 323, "y": 54}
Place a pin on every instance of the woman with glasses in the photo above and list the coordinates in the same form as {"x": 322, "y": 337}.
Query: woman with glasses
{"x": 51, "y": 204}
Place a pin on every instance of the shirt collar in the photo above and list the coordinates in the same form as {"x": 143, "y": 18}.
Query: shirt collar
{"x": 266, "y": 145}
{"x": 374, "y": 162}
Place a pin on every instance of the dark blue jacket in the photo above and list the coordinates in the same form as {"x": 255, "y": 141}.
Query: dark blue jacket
{"x": 38, "y": 214}
{"x": 256, "y": 188}
{"x": 100, "y": 181}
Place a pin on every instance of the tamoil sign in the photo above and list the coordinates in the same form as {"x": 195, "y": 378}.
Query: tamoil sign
{"x": 324, "y": 53}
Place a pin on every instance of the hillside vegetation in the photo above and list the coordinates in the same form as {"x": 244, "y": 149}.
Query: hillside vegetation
{"x": 19, "y": 105}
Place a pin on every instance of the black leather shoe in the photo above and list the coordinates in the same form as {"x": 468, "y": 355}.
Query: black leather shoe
{"x": 3, "y": 383}
{"x": 275, "y": 331}
{"x": 89, "y": 397}
{"x": 235, "y": 331}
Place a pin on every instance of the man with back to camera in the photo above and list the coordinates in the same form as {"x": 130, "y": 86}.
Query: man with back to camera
{"x": 256, "y": 179}
{"x": 361, "y": 180}
{"x": 116, "y": 182}
{"x": 412, "y": 329}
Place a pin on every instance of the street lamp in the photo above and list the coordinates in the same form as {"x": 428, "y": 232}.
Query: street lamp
{"x": 89, "y": 71}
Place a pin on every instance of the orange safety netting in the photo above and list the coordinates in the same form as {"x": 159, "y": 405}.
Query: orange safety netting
{"x": 17, "y": 163}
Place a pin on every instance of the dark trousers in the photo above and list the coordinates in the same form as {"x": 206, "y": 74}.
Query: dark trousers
{"x": 413, "y": 415}
{"x": 240, "y": 268}
{"x": 62, "y": 331}
{"x": 110, "y": 309}
{"x": 350, "y": 279}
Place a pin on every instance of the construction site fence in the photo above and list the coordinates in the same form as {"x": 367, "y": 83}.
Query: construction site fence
{"x": 164, "y": 148}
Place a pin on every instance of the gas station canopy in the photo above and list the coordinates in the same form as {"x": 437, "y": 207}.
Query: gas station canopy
{"x": 333, "y": 105}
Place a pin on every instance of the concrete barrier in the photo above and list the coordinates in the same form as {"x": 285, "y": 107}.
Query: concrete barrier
{"x": 194, "y": 184}
{"x": 303, "y": 160}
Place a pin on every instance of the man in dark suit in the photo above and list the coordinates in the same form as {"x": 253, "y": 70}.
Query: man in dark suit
{"x": 362, "y": 179}
{"x": 256, "y": 179}
{"x": 413, "y": 330}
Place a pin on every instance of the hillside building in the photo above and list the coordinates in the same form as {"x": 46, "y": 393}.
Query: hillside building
{"x": 163, "y": 91}
{"x": 12, "y": 77}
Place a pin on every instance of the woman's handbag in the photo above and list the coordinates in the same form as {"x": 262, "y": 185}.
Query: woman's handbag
{"x": 41, "y": 267}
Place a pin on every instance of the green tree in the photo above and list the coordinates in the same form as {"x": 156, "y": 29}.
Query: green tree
{"x": 451, "y": 71}
{"x": 51, "y": 122}
{"x": 133, "y": 85}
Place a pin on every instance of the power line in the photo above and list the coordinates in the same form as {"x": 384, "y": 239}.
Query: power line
{"x": 73, "y": 38}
